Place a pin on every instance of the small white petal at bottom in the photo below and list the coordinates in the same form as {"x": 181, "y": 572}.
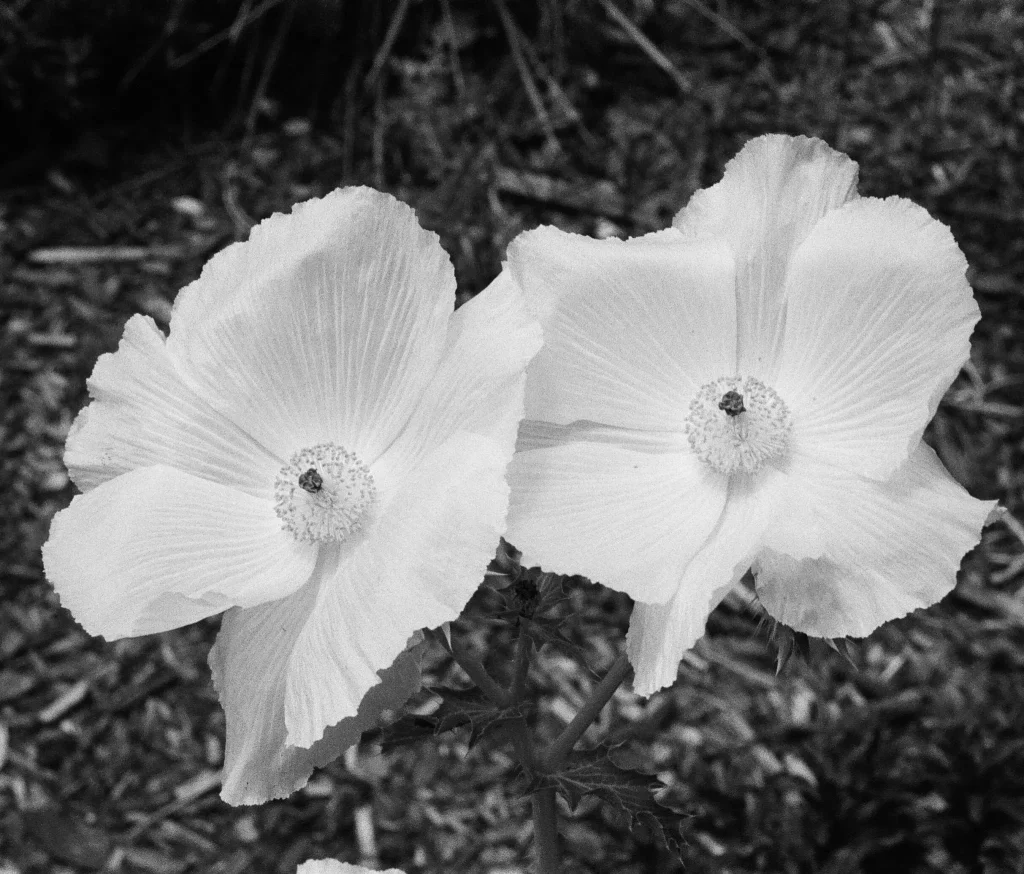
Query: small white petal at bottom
{"x": 332, "y": 866}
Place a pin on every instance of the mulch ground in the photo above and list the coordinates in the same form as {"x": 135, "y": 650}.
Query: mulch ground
{"x": 905, "y": 753}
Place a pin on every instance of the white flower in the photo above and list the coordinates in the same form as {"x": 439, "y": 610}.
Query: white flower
{"x": 748, "y": 389}
{"x": 319, "y": 448}
{"x": 332, "y": 866}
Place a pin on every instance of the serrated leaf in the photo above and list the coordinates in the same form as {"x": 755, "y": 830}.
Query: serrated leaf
{"x": 461, "y": 707}
{"x": 404, "y": 731}
{"x": 625, "y": 790}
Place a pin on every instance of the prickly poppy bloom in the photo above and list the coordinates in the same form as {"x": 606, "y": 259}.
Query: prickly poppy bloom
{"x": 332, "y": 866}
{"x": 748, "y": 390}
{"x": 319, "y": 449}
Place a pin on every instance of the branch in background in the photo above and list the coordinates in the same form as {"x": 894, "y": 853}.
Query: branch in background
{"x": 727, "y": 26}
{"x": 268, "y": 68}
{"x": 513, "y": 36}
{"x": 384, "y": 52}
{"x": 596, "y": 198}
{"x": 657, "y": 56}
{"x": 105, "y": 254}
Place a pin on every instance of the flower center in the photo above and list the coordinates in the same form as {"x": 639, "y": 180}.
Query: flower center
{"x": 737, "y": 424}
{"x": 322, "y": 494}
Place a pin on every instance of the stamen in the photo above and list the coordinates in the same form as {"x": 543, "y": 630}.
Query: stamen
{"x": 323, "y": 494}
{"x": 737, "y": 424}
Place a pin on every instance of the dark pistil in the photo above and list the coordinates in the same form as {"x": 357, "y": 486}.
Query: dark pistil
{"x": 732, "y": 403}
{"x": 311, "y": 481}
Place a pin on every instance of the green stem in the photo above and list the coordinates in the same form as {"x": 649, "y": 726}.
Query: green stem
{"x": 552, "y": 759}
{"x": 545, "y": 831}
{"x": 478, "y": 674}
{"x": 521, "y": 663}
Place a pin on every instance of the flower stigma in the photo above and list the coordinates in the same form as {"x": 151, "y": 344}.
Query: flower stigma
{"x": 737, "y": 424}
{"x": 311, "y": 481}
{"x": 323, "y": 493}
{"x": 732, "y": 403}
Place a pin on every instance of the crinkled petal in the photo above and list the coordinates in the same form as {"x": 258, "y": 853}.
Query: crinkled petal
{"x": 659, "y": 634}
{"x": 414, "y": 567}
{"x": 631, "y": 328}
{"x": 156, "y": 548}
{"x": 876, "y": 551}
{"x": 142, "y": 414}
{"x": 250, "y": 667}
{"x": 326, "y": 325}
{"x": 878, "y": 325}
{"x": 622, "y": 515}
{"x": 771, "y": 196}
{"x": 478, "y": 385}
{"x": 332, "y": 866}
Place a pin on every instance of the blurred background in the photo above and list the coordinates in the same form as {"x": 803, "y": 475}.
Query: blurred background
{"x": 139, "y": 138}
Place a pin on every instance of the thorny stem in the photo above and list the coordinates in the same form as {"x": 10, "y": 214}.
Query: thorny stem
{"x": 545, "y": 831}
{"x": 545, "y": 811}
{"x": 542, "y": 800}
{"x": 552, "y": 760}
{"x": 521, "y": 663}
{"x": 555, "y": 756}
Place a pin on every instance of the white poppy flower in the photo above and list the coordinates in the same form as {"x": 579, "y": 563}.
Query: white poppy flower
{"x": 319, "y": 448}
{"x": 748, "y": 389}
{"x": 332, "y": 866}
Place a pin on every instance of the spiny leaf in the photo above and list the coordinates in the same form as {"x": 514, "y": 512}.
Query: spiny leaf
{"x": 625, "y": 790}
{"x": 459, "y": 708}
{"x": 408, "y": 729}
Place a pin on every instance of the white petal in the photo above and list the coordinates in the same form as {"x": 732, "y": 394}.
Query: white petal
{"x": 415, "y": 567}
{"x": 773, "y": 192}
{"x": 250, "y": 667}
{"x": 156, "y": 548}
{"x": 874, "y": 551}
{"x": 659, "y": 634}
{"x": 628, "y": 518}
{"x": 878, "y": 324}
{"x": 541, "y": 435}
{"x": 142, "y": 413}
{"x": 331, "y": 866}
{"x": 631, "y": 329}
{"x": 325, "y": 326}
{"x": 478, "y": 385}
